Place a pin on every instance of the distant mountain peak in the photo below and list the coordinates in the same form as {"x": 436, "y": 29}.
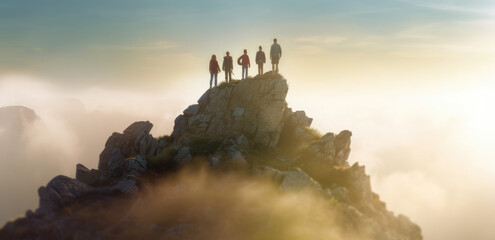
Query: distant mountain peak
{"x": 16, "y": 118}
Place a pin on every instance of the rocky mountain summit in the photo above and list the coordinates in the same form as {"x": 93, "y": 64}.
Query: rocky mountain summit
{"x": 244, "y": 127}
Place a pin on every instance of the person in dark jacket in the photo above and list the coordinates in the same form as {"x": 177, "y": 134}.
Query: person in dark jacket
{"x": 260, "y": 60}
{"x": 214, "y": 70}
{"x": 244, "y": 61}
{"x": 227, "y": 67}
{"x": 275, "y": 55}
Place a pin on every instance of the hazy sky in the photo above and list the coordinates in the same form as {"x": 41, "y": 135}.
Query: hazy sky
{"x": 413, "y": 80}
{"x": 150, "y": 44}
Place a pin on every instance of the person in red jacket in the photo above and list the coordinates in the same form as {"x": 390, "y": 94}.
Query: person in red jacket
{"x": 244, "y": 61}
{"x": 214, "y": 70}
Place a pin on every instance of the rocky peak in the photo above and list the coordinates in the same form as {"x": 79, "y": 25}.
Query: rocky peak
{"x": 135, "y": 140}
{"x": 244, "y": 125}
{"x": 253, "y": 107}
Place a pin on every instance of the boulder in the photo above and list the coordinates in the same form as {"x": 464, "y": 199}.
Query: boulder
{"x": 271, "y": 173}
{"x": 136, "y": 165}
{"x": 191, "y": 110}
{"x": 183, "y": 156}
{"x": 60, "y": 191}
{"x": 359, "y": 182}
{"x": 127, "y": 186}
{"x": 83, "y": 174}
{"x": 253, "y": 107}
{"x": 342, "y": 146}
{"x": 298, "y": 180}
{"x": 297, "y": 119}
{"x": 138, "y": 130}
{"x": 136, "y": 140}
{"x": 341, "y": 194}
{"x": 116, "y": 163}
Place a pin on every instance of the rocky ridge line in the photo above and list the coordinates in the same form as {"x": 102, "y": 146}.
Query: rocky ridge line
{"x": 242, "y": 125}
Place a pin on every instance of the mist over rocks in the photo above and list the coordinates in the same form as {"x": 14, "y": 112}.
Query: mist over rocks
{"x": 244, "y": 128}
{"x": 15, "y": 119}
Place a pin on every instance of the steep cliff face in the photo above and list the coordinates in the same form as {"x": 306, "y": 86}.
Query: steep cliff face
{"x": 244, "y": 127}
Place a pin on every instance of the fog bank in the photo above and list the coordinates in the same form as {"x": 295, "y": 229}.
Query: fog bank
{"x": 428, "y": 153}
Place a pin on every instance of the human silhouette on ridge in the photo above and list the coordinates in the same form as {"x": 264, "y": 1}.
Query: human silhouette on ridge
{"x": 260, "y": 60}
{"x": 227, "y": 67}
{"x": 214, "y": 69}
{"x": 244, "y": 61}
{"x": 275, "y": 55}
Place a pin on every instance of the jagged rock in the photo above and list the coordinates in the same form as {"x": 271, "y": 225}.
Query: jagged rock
{"x": 162, "y": 143}
{"x": 153, "y": 146}
{"x": 359, "y": 182}
{"x": 236, "y": 158}
{"x": 240, "y": 143}
{"x": 83, "y": 174}
{"x": 135, "y": 141}
{"x": 136, "y": 165}
{"x": 297, "y": 119}
{"x": 297, "y": 180}
{"x": 342, "y": 146}
{"x": 116, "y": 163}
{"x": 60, "y": 191}
{"x": 328, "y": 140}
{"x": 340, "y": 194}
{"x": 138, "y": 130}
{"x": 253, "y": 107}
{"x": 191, "y": 110}
{"x": 271, "y": 173}
{"x": 126, "y": 186}
{"x": 180, "y": 125}
{"x": 229, "y": 157}
{"x": 183, "y": 156}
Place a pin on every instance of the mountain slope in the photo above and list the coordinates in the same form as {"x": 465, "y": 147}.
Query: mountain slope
{"x": 239, "y": 164}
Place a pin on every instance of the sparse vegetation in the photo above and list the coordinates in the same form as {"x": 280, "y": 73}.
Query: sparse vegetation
{"x": 167, "y": 138}
{"x": 233, "y": 82}
{"x": 162, "y": 161}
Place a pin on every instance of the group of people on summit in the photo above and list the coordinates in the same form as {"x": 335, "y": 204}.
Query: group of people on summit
{"x": 228, "y": 65}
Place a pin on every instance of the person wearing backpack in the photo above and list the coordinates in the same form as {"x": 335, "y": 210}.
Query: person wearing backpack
{"x": 227, "y": 67}
{"x": 244, "y": 61}
{"x": 214, "y": 69}
{"x": 260, "y": 60}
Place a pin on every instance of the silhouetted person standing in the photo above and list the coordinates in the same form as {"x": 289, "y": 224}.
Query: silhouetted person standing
{"x": 275, "y": 55}
{"x": 227, "y": 67}
{"x": 244, "y": 61}
{"x": 260, "y": 60}
{"x": 214, "y": 70}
